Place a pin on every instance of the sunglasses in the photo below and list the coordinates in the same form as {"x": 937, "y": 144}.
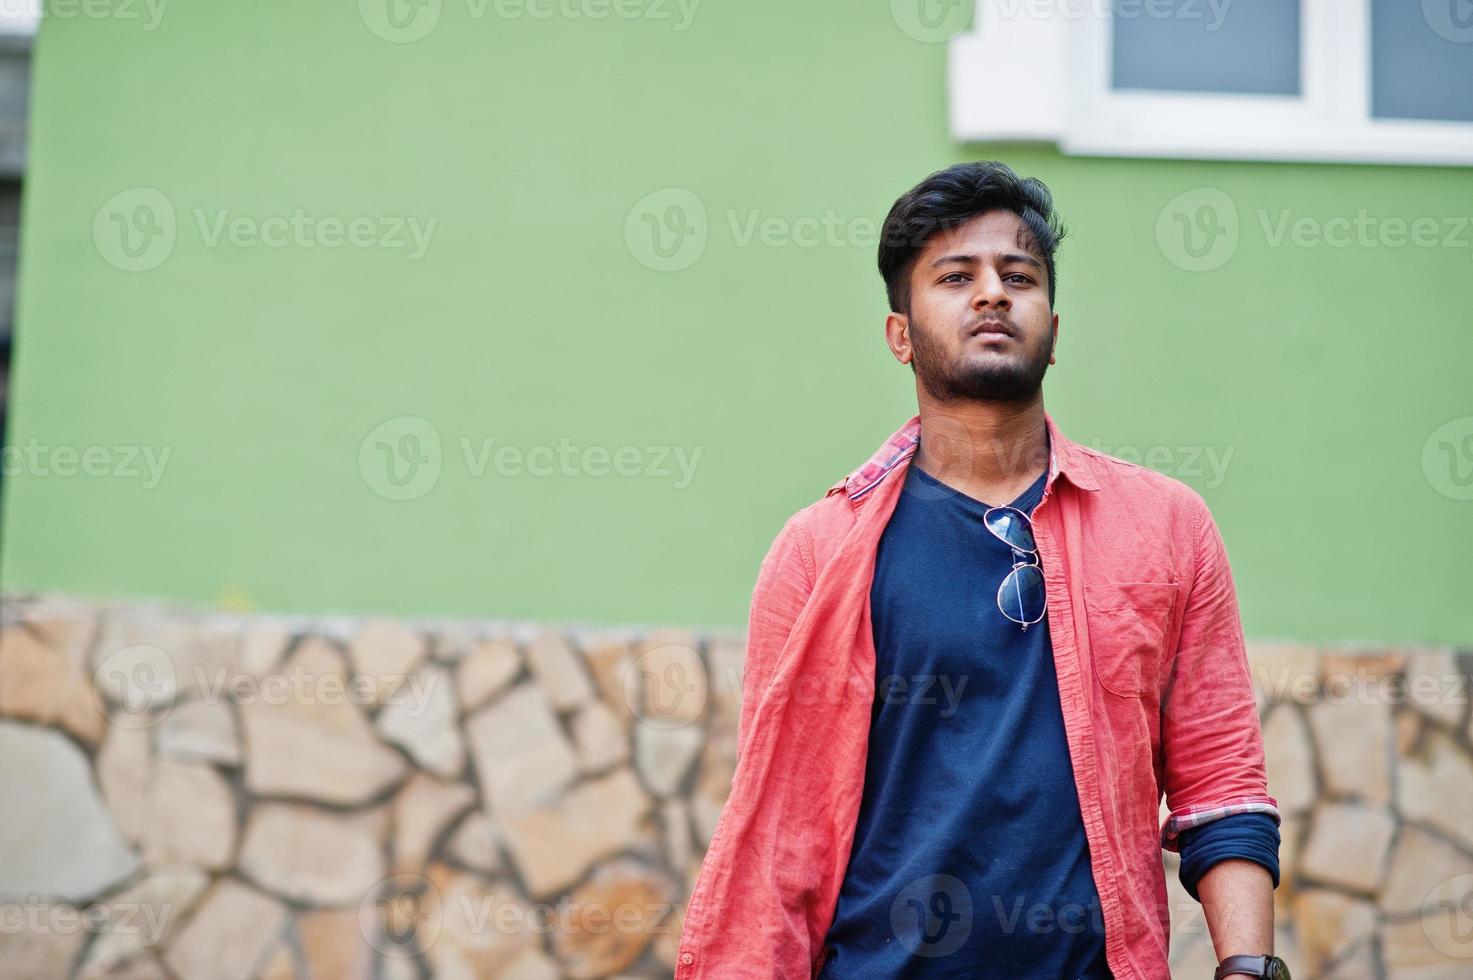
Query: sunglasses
{"x": 1021, "y": 596}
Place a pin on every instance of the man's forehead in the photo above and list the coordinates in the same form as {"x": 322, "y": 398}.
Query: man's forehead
{"x": 996, "y": 229}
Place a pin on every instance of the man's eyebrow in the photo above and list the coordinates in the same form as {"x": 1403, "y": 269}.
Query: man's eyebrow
{"x": 1023, "y": 257}
{"x": 960, "y": 259}
{"x": 1007, "y": 258}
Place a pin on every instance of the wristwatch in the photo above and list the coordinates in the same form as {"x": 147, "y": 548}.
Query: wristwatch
{"x": 1265, "y": 967}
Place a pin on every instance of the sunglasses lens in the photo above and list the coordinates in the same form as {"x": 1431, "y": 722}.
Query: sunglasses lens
{"x": 1012, "y": 527}
{"x": 1021, "y": 596}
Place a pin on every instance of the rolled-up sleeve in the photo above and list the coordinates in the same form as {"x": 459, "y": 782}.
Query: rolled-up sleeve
{"x": 1212, "y": 744}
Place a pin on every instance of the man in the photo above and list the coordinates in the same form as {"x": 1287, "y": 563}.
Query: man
{"x": 976, "y": 664}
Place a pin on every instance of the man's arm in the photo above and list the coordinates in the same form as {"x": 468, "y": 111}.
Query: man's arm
{"x": 784, "y": 582}
{"x": 1238, "y": 901}
{"x": 750, "y": 936}
{"x": 1212, "y": 747}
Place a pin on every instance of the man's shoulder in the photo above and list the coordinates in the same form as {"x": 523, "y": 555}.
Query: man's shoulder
{"x": 830, "y": 515}
{"x": 816, "y": 530}
{"x": 1135, "y": 485}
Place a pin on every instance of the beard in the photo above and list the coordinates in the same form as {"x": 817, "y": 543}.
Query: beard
{"x": 955, "y": 379}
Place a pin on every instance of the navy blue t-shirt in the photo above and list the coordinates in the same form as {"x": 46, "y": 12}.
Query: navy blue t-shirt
{"x": 969, "y": 855}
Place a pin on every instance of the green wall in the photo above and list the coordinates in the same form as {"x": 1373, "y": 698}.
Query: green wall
{"x": 529, "y": 318}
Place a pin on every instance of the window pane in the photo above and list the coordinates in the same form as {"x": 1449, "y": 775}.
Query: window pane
{"x": 1422, "y": 59}
{"x": 1246, "y": 46}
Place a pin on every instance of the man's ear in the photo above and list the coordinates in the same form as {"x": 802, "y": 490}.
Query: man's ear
{"x": 1054, "y": 342}
{"x": 897, "y": 336}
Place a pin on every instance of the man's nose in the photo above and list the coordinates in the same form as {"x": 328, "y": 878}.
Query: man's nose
{"x": 990, "y": 292}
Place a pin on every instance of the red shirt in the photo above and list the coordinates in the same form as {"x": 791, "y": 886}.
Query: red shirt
{"x": 1153, "y": 681}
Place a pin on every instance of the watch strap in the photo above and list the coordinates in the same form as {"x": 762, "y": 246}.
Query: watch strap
{"x": 1243, "y": 965}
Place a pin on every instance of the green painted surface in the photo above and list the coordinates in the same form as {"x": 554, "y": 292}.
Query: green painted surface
{"x": 1316, "y": 373}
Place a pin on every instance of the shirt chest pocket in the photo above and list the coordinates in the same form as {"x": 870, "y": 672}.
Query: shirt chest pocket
{"x": 1129, "y": 623}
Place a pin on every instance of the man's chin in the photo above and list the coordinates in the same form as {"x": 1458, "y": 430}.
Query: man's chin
{"x": 991, "y": 385}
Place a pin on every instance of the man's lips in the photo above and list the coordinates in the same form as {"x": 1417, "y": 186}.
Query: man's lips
{"x": 991, "y": 327}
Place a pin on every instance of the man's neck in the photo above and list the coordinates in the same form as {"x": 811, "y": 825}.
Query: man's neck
{"x": 992, "y": 451}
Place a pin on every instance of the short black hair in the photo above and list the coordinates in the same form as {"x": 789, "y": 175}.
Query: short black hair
{"x": 954, "y": 196}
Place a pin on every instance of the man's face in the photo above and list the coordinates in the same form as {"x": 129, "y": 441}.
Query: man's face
{"x": 980, "y": 326}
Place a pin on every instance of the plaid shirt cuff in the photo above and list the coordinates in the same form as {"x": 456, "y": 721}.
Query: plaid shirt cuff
{"x": 1195, "y": 816}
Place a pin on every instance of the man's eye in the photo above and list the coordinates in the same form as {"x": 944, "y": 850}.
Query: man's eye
{"x": 954, "y": 277}
{"x": 1020, "y": 277}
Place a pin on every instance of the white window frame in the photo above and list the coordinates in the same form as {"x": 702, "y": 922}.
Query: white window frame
{"x": 20, "y": 17}
{"x": 1055, "y": 73}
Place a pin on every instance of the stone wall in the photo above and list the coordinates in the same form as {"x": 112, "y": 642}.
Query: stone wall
{"x": 202, "y": 796}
